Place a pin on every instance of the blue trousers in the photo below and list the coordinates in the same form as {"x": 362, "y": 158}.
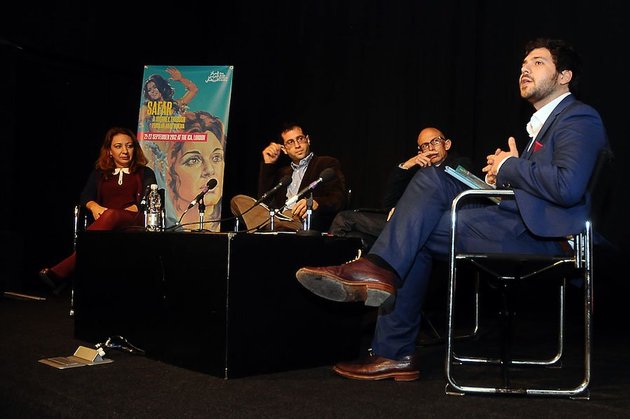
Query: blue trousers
{"x": 419, "y": 231}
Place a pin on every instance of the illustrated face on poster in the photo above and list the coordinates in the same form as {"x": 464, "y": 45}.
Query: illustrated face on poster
{"x": 191, "y": 166}
{"x": 182, "y": 128}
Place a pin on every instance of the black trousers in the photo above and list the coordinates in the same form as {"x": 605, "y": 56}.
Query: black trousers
{"x": 365, "y": 224}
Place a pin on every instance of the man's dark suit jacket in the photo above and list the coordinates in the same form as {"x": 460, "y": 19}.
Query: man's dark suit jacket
{"x": 331, "y": 195}
{"x": 367, "y": 223}
{"x": 399, "y": 178}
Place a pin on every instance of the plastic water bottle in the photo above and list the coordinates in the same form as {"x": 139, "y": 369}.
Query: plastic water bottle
{"x": 154, "y": 209}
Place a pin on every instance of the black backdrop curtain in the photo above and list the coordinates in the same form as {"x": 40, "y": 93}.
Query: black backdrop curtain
{"x": 363, "y": 77}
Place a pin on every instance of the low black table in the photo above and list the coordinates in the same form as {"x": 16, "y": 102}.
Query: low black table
{"x": 227, "y": 304}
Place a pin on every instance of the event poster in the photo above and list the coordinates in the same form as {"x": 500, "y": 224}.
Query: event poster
{"x": 182, "y": 129}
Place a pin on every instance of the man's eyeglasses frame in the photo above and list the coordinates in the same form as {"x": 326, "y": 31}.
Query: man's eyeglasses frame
{"x": 300, "y": 139}
{"x": 434, "y": 142}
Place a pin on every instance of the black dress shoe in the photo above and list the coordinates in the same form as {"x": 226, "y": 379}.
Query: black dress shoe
{"x": 49, "y": 278}
{"x": 359, "y": 280}
{"x": 378, "y": 368}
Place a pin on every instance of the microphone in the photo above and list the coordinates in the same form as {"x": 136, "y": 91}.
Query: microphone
{"x": 324, "y": 176}
{"x": 286, "y": 180}
{"x": 212, "y": 183}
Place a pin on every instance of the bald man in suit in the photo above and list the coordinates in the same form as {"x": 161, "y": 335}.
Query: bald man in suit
{"x": 551, "y": 202}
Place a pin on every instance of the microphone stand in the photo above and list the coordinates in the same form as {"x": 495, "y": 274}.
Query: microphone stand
{"x": 202, "y": 213}
{"x": 307, "y": 220}
{"x": 211, "y": 184}
{"x": 272, "y": 216}
{"x": 272, "y": 212}
{"x": 309, "y": 211}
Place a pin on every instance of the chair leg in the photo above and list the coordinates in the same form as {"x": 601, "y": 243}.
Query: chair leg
{"x": 439, "y": 338}
{"x": 507, "y": 317}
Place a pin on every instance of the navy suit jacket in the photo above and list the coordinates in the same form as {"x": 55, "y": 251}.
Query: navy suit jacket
{"x": 550, "y": 179}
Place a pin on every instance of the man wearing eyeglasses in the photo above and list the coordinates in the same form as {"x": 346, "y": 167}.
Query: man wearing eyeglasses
{"x": 367, "y": 223}
{"x": 305, "y": 167}
{"x": 550, "y": 202}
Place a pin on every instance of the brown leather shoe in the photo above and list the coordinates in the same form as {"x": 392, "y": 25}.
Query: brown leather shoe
{"x": 359, "y": 280}
{"x": 378, "y": 368}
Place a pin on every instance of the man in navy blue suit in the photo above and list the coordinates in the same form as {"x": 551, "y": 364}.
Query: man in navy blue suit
{"x": 549, "y": 180}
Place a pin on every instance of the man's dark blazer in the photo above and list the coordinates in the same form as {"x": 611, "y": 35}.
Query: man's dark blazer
{"x": 331, "y": 195}
{"x": 399, "y": 178}
{"x": 367, "y": 223}
{"x": 551, "y": 178}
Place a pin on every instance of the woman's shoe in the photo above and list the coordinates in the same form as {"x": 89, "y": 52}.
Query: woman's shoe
{"x": 49, "y": 278}
{"x": 56, "y": 284}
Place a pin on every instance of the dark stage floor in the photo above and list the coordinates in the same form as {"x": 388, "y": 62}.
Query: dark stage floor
{"x": 136, "y": 386}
